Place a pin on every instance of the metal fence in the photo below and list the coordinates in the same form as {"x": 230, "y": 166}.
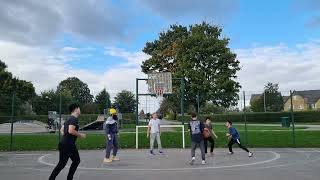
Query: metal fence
{"x": 293, "y": 116}
{"x": 43, "y": 118}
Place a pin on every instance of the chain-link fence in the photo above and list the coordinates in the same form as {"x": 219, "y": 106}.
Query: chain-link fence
{"x": 264, "y": 119}
{"x": 35, "y": 124}
{"x": 270, "y": 118}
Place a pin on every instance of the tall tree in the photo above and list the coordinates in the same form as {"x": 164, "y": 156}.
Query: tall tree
{"x": 201, "y": 57}
{"x": 24, "y": 91}
{"x": 79, "y": 90}
{"x": 170, "y": 105}
{"x": 50, "y": 101}
{"x": 3, "y": 66}
{"x": 274, "y": 99}
{"x": 271, "y": 100}
{"x": 256, "y": 105}
{"x": 126, "y": 102}
{"x": 103, "y": 100}
{"x": 90, "y": 108}
{"x": 209, "y": 108}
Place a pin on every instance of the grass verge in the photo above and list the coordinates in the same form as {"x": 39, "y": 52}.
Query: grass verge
{"x": 256, "y": 139}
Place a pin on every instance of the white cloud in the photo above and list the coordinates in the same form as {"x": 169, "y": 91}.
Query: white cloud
{"x": 294, "y": 68}
{"x": 36, "y": 22}
{"x": 45, "y": 69}
{"x": 69, "y": 49}
{"x": 133, "y": 59}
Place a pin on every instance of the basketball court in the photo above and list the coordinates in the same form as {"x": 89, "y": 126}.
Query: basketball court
{"x": 293, "y": 164}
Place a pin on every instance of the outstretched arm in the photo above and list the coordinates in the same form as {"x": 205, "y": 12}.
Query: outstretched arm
{"x": 214, "y": 134}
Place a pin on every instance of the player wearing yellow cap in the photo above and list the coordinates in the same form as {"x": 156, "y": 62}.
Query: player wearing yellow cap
{"x": 111, "y": 130}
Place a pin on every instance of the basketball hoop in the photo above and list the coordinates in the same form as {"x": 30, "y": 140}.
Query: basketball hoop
{"x": 160, "y": 83}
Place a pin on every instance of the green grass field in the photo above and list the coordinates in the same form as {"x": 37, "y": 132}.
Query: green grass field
{"x": 276, "y": 139}
{"x": 221, "y": 128}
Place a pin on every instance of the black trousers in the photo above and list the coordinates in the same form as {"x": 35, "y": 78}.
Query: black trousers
{"x": 66, "y": 152}
{"x": 236, "y": 141}
{"x": 211, "y": 140}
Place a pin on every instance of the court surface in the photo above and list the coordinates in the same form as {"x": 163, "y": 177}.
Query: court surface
{"x": 284, "y": 164}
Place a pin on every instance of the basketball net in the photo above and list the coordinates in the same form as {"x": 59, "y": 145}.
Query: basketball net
{"x": 159, "y": 91}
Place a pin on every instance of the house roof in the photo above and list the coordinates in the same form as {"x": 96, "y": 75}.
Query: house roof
{"x": 311, "y": 96}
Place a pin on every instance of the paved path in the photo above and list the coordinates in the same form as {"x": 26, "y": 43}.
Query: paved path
{"x": 23, "y": 127}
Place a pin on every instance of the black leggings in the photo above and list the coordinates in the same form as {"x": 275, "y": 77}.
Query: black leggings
{"x": 206, "y": 144}
{"x": 66, "y": 152}
{"x": 236, "y": 141}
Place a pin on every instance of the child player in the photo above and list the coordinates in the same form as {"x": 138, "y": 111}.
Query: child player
{"x": 111, "y": 129}
{"x": 234, "y": 137}
{"x": 196, "y": 128}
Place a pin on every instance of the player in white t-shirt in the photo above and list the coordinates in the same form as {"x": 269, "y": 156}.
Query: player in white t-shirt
{"x": 154, "y": 132}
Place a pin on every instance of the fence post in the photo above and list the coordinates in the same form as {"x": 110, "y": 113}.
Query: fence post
{"x": 12, "y": 117}
{"x": 292, "y": 121}
{"x": 59, "y": 127}
{"x": 182, "y": 99}
{"x": 137, "y": 101}
{"x": 245, "y": 117}
{"x": 264, "y": 101}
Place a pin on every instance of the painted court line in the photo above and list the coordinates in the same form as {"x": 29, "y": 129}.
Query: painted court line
{"x": 20, "y": 154}
{"x": 291, "y": 164}
{"x": 276, "y": 156}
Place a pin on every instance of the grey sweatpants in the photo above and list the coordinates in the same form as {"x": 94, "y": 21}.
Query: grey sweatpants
{"x": 153, "y": 137}
{"x": 112, "y": 145}
{"x": 194, "y": 147}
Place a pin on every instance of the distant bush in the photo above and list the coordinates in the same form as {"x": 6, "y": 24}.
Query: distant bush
{"x": 301, "y": 116}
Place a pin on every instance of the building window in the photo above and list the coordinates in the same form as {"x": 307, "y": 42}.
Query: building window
{"x": 300, "y": 106}
{"x": 313, "y": 106}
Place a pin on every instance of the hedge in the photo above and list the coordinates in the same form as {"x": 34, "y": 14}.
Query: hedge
{"x": 83, "y": 119}
{"x": 129, "y": 118}
{"x": 301, "y": 116}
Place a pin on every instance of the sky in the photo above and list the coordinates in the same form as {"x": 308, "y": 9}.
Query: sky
{"x": 101, "y": 41}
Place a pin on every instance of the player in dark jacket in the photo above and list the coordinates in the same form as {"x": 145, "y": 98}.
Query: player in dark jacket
{"x": 67, "y": 146}
{"x": 196, "y": 130}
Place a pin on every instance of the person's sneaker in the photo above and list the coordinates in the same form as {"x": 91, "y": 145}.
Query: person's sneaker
{"x": 250, "y": 154}
{"x": 161, "y": 152}
{"x": 230, "y": 153}
{"x": 151, "y": 152}
{"x": 107, "y": 160}
{"x": 192, "y": 161}
{"x": 114, "y": 158}
{"x": 203, "y": 162}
